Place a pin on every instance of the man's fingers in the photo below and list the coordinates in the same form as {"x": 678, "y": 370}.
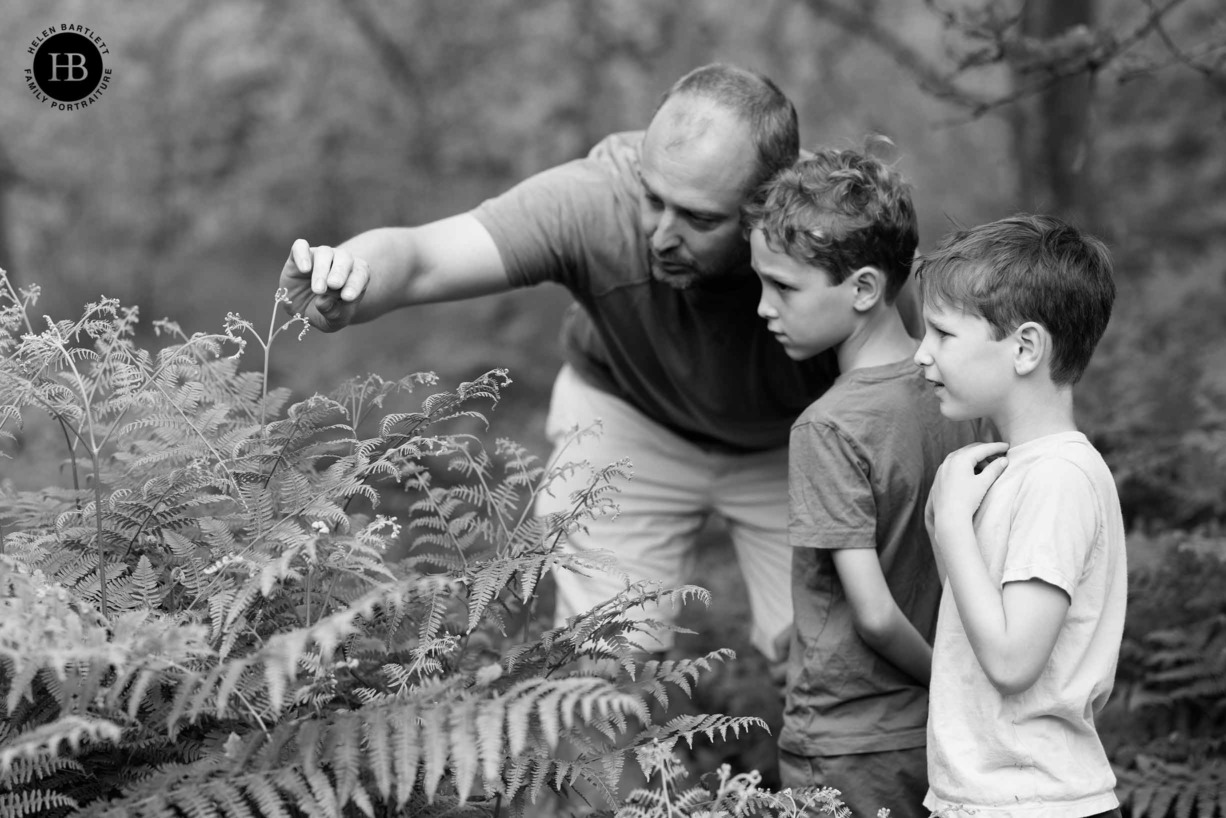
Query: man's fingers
{"x": 342, "y": 265}
{"x": 321, "y": 265}
{"x": 300, "y": 254}
{"x": 357, "y": 281}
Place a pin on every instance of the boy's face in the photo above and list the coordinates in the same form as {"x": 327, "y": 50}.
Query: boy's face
{"x": 969, "y": 369}
{"x": 805, "y": 311}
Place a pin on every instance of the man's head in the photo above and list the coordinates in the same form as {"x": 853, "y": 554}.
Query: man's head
{"x": 1028, "y": 269}
{"x": 717, "y": 134}
{"x": 832, "y": 237}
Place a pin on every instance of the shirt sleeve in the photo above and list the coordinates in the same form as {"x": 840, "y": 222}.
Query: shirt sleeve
{"x": 1054, "y": 527}
{"x": 831, "y": 502}
{"x": 557, "y": 224}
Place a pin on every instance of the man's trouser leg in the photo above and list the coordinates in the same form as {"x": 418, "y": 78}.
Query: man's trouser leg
{"x": 676, "y": 485}
{"x": 751, "y": 493}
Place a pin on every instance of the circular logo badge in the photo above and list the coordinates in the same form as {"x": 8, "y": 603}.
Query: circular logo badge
{"x": 67, "y": 67}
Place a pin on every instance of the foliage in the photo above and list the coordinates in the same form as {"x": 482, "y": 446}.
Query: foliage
{"x": 732, "y": 796}
{"x": 206, "y": 621}
{"x": 1164, "y": 728}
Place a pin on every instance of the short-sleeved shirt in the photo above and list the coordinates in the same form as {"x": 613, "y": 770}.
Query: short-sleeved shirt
{"x": 699, "y": 361}
{"x": 1052, "y": 515}
{"x": 862, "y": 461}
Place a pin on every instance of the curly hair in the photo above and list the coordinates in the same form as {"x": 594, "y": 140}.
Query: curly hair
{"x": 839, "y": 210}
{"x": 1027, "y": 268}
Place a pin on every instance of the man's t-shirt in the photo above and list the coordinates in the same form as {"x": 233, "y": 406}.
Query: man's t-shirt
{"x": 698, "y": 361}
{"x": 861, "y": 463}
{"x": 1053, "y": 515}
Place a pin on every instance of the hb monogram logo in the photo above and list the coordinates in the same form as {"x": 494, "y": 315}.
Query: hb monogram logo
{"x": 68, "y": 70}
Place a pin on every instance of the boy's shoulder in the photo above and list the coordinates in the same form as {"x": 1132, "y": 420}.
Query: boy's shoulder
{"x": 1060, "y": 474}
{"x": 1064, "y": 454}
{"x": 870, "y": 392}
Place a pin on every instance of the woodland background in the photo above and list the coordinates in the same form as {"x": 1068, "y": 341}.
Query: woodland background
{"x": 235, "y": 126}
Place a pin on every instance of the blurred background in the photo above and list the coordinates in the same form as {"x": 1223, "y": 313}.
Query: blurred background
{"x": 232, "y": 127}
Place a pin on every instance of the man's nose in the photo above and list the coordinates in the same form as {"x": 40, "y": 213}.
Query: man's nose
{"x": 664, "y": 236}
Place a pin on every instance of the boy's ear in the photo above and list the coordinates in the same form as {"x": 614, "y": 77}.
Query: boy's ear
{"x": 869, "y": 284}
{"x": 1032, "y": 346}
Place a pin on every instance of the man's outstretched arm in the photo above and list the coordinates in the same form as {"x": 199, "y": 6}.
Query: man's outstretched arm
{"x": 392, "y": 267}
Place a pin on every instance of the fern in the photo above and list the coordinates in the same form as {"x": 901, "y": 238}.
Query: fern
{"x": 201, "y": 623}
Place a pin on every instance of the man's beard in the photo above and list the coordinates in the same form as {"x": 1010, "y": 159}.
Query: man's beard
{"x": 677, "y": 280}
{"x": 678, "y": 274}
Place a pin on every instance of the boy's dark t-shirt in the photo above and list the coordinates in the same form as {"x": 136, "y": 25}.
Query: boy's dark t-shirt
{"x": 862, "y": 460}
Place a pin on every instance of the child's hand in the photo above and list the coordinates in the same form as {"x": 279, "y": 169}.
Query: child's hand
{"x": 964, "y": 478}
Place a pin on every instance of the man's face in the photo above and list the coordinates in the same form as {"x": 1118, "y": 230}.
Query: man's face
{"x": 805, "y": 311}
{"x": 969, "y": 369}
{"x": 697, "y": 162}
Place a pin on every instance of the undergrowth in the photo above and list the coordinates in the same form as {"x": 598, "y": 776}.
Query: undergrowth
{"x": 203, "y": 619}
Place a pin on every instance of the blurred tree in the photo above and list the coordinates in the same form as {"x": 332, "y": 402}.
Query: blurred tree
{"x": 1055, "y": 56}
{"x": 1052, "y": 143}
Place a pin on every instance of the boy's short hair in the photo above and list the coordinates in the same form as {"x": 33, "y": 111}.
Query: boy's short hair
{"x": 1027, "y": 268}
{"x": 840, "y": 210}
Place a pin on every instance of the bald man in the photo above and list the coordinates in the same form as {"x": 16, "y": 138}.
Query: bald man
{"x": 663, "y": 343}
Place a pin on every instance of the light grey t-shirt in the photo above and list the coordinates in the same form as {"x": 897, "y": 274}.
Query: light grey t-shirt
{"x": 862, "y": 460}
{"x": 1053, "y": 515}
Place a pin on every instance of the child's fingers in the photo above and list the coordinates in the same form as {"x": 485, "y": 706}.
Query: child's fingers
{"x": 991, "y": 469}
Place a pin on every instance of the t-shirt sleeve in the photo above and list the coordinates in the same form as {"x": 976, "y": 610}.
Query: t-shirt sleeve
{"x": 535, "y": 225}
{"x": 830, "y": 492}
{"x": 565, "y": 221}
{"x": 1054, "y": 526}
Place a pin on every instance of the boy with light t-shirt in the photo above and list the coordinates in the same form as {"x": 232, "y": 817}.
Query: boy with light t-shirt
{"x": 1031, "y": 543}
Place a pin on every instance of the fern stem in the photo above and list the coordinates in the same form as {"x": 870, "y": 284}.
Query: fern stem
{"x": 101, "y": 543}
{"x": 97, "y": 466}
{"x": 238, "y": 494}
{"x": 152, "y": 508}
{"x": 281, "y": 454}
{"x": 72, "y": 454}
{"x": 310, "y": 575}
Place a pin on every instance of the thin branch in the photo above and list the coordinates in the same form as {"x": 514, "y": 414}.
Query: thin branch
{"x": 864, "y": 24}
{"x": 942, "y": 84}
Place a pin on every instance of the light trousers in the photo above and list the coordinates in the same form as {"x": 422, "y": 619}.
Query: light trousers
{"x": 676, "y": 486}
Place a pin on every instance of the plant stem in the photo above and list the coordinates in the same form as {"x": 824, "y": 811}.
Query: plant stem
{"x": 101, "y": 545}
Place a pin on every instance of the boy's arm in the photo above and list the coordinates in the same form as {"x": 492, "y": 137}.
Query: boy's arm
{"x": 878, "y": 619}
{"x": 1011, "y": 630}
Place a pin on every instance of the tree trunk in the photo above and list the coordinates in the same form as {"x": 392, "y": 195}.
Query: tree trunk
{"x": 1052, "y": 133}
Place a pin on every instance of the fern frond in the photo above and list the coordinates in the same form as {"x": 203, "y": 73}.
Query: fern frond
{"x": 35, "y": 803}
{"x": 45, "y": 741}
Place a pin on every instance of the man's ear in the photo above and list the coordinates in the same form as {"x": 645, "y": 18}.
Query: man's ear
{"x": 1032, "y": 347}
{"x": 869, "y": 285}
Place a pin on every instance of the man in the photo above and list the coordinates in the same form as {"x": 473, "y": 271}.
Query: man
{"x": 664, "y": 343}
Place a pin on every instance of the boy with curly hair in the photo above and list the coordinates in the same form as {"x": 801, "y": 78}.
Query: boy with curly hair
{"x": 832, "y": 239}
{"x": 1032, "y": 543}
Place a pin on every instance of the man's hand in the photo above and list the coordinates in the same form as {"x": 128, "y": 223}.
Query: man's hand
{"x": 962, "y": 482}
{"x": 325, "y": 284}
